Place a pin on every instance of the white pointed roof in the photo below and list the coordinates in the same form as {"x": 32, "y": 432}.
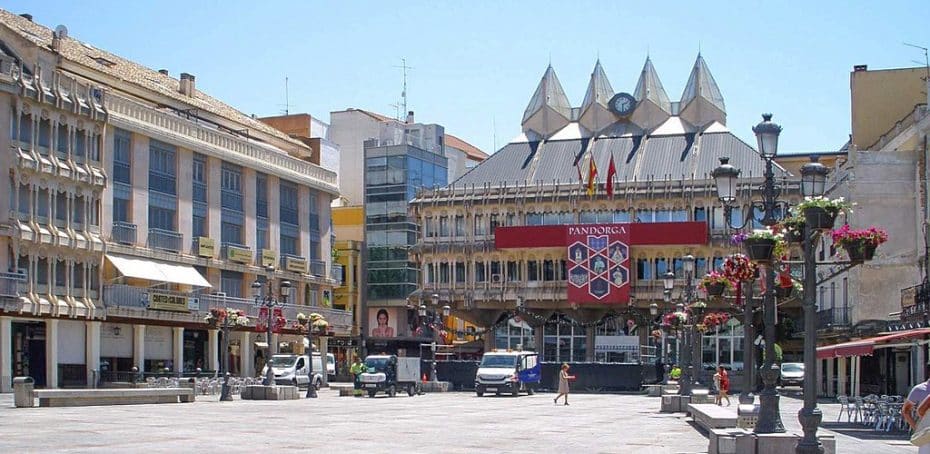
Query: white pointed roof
{"x": 599, "y": 89}
{"x": 550, "y": 94}
{"x": 701, "y": 84}
{"x": 650, "y": 87}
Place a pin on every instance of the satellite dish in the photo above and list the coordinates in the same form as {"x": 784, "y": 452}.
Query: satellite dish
{"x": 61, "y": 31}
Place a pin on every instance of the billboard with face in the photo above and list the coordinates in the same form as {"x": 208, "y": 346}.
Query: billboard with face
{"x": 382, "y": 322}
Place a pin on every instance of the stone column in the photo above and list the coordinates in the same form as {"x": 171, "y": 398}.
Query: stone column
{"x": 841, "y": 375}
{"x": 214, "y": 173}
{"x": 273, "y": 345}
{"x": 274, "y": 213}
{"x": 51, "y": 353}
{"x": 538, "y": 338}
{"x": 324, "y": 348}
{"x": 92, "y": 351}
{"x": 821, "y": 389}
{"x": 920, "y": 367}
{"x": 245, "y": 354}
{"x": 138, "y": 346}
{"x": 303, "y": 220}
{"x": 213, "y": 352}
{"x": 589, "y": 345}
{"x": 140, "y": 186}
{"x": 177, "y": 343}
{"x": 6, "y": 354}
{"x": 831, "y": 391}
{"x": 249, "y": 208}
{"x": 185, "y": 190}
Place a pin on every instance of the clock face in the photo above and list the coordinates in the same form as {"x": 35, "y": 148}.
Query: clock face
{"x": 623, "y": 104}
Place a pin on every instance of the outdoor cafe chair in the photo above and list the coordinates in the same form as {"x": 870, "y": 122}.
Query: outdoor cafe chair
{"x": 846, "y": 406}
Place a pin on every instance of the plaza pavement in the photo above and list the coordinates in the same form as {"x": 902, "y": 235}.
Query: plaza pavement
{"x": 448, "y": 423}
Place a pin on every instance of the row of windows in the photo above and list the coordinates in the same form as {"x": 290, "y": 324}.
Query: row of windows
{"x": 44, "y": 271}
{"x": 78, "y": 143}
{"x": 47, "y": 204}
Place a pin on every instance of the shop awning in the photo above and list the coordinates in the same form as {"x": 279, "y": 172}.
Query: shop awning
{"x": 866, "y": 346}
{"x": 151, "y": 270}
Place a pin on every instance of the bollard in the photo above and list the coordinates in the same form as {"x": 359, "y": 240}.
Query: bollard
{"x": 192, "y": 384}
{"x": 23, "y": 388}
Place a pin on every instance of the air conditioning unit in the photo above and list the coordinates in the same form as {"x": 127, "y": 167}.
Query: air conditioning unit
{"x": 495, "y": 278}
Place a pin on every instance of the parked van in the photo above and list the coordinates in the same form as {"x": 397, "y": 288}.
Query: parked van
{"x": 508, "y": 371}
{"x": 292, "y": 370}
{"x": 330, "y": 364}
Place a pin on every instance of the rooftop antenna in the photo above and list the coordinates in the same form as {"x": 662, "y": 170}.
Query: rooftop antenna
{"x": 494, "y": 133}
{"x": 926, "y": 61}
{"x": 396, "y": 107}
{"x": 287, "y": 103}
{"x": 403, "y": 95}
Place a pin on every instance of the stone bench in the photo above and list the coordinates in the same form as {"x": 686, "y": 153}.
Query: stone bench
{"x": 710, "y": 416}
{"x": 261, "y": 392}
{"x": 701, "y": 396}
{"x": 91, "y": 397}
{"x": 653, "y": 390}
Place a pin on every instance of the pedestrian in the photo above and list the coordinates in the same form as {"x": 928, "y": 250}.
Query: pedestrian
{"x": 563, "y": 384}
{"x": 675, "y": 373}
{"x": 722, "y": 382}
{"x": 357, "y": 369}
{"x": 917, "y": 400}
{"x": 660, "y": 371}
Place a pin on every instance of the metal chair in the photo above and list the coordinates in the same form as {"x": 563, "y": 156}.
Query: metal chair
{"x": 845, "y": 406}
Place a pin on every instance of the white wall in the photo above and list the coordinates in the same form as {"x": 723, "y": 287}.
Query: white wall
{"x": 71, "y": 335}
{"x": 116, "y": 346}
{"x": 349, "y": 130}
{"x": 158, "y": 343}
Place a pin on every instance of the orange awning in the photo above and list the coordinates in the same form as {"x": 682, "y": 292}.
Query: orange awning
{"x": 863, "y": 347}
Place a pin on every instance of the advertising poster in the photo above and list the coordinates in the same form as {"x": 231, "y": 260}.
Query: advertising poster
{"x": 382, "y": 322}
{"x": 599, "y": 264}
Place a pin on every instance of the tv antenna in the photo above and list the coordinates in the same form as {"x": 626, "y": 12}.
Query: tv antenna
{"x": 403, "y": 95}
{"x": 287, "y": 99}
{"x": 926, "y": 61}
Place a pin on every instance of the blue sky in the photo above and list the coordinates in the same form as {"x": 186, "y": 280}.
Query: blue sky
{"x": 476, "y": 64}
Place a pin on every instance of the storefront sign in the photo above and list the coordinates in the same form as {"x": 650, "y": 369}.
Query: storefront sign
{"x": 296, "y": 264}
{"x": 269, "y": 257}
{"x": 205, "y": 247}
{"x": 616, "y": 344}
{"x": 238, "y": 254}
{"x": 173, "y": 303}
{"x": 598, "y": 264}
{"x": 343, "y": 342}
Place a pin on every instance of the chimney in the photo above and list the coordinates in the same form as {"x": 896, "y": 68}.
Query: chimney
{"x": 410, "y": 117}
{"x": 56, "y": 42}
{"x": 26, "y": 16}
{"x": 858, "y": 68}
{"x": 163, "y": 72}
{"x": 187, "y": 84}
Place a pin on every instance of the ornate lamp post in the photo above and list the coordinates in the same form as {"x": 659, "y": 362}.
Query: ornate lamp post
{"x": 726, "y": 178}
{"x": 695, "y": 364}
{"x": 813, "y": 184}
{"x": 268, "y": 300}
{"x": 310, "y": 324}
{"x": 225, "y": 320}
{"x": 430, "y": 319}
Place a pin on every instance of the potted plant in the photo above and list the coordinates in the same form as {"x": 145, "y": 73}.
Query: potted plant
{"x": 820, "y": 212}
{"x": 860, "y": 244}
{"x": 793, "y": 227}
{"x": 761, "y": 244}
{"x": 714, "y": 283}
{"x": 738, "y": 268}
{"x": 715, "y": 319}
{"x": 674, "y": 320}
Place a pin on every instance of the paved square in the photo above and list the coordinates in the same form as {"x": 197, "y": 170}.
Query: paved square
{"x": 449, "y": 423}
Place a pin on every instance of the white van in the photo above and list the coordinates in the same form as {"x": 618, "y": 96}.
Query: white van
{"x": 330, "y": 364}
{"x": 292, "y": 370}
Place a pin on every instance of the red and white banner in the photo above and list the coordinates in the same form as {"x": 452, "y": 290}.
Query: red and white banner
{"x": 598, "y": 263}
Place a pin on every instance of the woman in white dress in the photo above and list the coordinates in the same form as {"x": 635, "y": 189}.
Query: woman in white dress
{"x": 563, "y": 384}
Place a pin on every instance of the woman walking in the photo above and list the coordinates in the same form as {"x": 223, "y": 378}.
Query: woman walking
{"x": 722, "y": 382}
{"x": 563, "y": 384}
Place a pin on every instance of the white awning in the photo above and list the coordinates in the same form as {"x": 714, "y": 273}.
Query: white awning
{"x": 158, "y": 271}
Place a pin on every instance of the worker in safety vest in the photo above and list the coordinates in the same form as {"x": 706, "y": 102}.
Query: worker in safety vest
{"x": 357, "y": 369}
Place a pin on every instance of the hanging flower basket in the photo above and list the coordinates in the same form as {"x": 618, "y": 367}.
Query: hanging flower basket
{"x": 819, "y": 218}
{"x": 860, "y": 251}
{"x": 793, "y": 227}
{"x": 784, "y": 292}
{"x": 793, "y": 236}
{"x": 759, "y": 249}
{"x": 714, "y": 283}
{"x": 715, "y": 289}
{"x": 820, "y": 212}
{"x": 738, "y": 268}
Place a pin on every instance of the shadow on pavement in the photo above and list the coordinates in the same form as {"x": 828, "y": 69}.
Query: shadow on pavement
{"x": 863, "y": 432}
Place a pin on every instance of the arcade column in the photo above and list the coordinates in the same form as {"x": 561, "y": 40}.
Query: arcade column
{"x": 92, "y": 351}
{"x": 6, "y": 354}
{"x": 213, "y": 352}
{"x": 178, "y": 344}
{"x": 138, "y": 347}
{"x": 51, "y": 353}
{"x": 245, "y": 354}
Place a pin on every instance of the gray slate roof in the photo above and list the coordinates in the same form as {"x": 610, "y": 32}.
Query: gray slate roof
{"x": 701, "y": 84}
{"x": 637, "y": 158}
{"x": 650, "y": 87}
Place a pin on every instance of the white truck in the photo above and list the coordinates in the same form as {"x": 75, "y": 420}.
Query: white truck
{"x": 390, "y": 374}
{"x": 292, "y": 370}
{"x": 507, "y": 371}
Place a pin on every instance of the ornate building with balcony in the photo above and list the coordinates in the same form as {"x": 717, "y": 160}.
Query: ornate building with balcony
{"x": 136, "y": 204}
{"x": 663, "y": 153}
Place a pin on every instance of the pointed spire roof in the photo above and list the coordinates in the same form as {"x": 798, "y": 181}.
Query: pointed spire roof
{"x": 701, "y": 84}
{"x": 550, "y": 94}
{"x": 650, "y": 87}
{"x": 599, "y": 90}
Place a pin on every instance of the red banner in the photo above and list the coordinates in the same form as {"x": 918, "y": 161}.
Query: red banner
{"x": 598, "y": 263}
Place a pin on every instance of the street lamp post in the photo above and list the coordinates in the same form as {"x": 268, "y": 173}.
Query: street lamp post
{"x": 813, "y": 184}
{"x": 746, "y": 396}
{"x": 429, "y": 320}
{"x": 695, "y": 365}
{"x": 726, "y": 179}
{"x": 268, "y": 301}
{"x": 225, "y": 395}
{"x": 311, "y": 388}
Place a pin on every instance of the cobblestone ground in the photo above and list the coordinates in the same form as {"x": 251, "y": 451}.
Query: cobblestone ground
{"x": 449, "y": 423}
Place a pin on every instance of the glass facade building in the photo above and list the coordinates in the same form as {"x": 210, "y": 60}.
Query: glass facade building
{"x": 393, "y": 174}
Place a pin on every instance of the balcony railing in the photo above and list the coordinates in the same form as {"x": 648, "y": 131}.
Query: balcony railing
{"x": 337, "y": 273}
{"x": 837, "y": 316}
{"x": 318, "y": 268}
{"x": 123, "y": 233}
{"x": 165, "y": 239}
{"x": 10, "y": 282}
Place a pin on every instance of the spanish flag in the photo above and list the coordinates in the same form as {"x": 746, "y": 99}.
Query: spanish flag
{"x": 592, "y": 177}
{"x": 611, "y": 173}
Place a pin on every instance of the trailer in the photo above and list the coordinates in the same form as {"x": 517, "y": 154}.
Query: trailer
{"x": 391, "y": 374}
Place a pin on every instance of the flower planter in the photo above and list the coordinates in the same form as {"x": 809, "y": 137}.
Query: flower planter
{"x": 861, "y": 251}
{"x": 784, "y": 292}
{"x": 715, "y": 289}
{"x": 759, "y": 249}
{"x": 818, "y": 218}
{"x": 794, "y": 236}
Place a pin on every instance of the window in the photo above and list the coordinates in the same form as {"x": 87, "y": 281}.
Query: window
{"x": 199, "y": 226}
{"x": 513, "y": 272}
{"x": 199, "y": 177}
{"x": 231, "y": 233}
{"x": 563, "y": 340}
{"x": 534, "y": 218}
{"x": 314, "y": 212}
{"x": 548, "y": 270}
{"x": 621, "y": 216}
{"x": 724, "y": 345}
{"x": 121, "y": 210}
{"x": 460, "y": 226}
{"x": 661, "y": 265}
{"x": 460, "y": 272}
{"x": 161, "y": 218}
{"x": 515, "y": 335}
{"x": 45, "y": 135}
{"x": 231, "y": 187}
{"x": 429, "y": 230}
{"x": 532, "y": 270}
{"x": 77, "y": 217}
{"x": 162, "y": 168}
{"x": 700, "y": 214}
{"x": 494, "y": 222}
{"x": 443, "y": 226}
{"x": 61, "y": 206}
{"x": 288, "y": 244}
{"x": 495, "y": 271}
{"x": 61, "y": 144}
{"x": 42, "y": 205}
{"x": 122, "y": 157}
{"x": 481, "y": 228}
{"x": 587, "y": 217}
{"x": 643, "y": 270}
{"x": 61, "y": 273}
{"x": 289, "y": 203}
{"x": 261, "y": 234}
{"x": 231, "y": 283}
{"x": 644, "y": 215}
{"x": 480, "y": 272}
{"x": 25, "y": 129}
{"x": 444, "y": 273}
{"x": 261, "y": 195}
